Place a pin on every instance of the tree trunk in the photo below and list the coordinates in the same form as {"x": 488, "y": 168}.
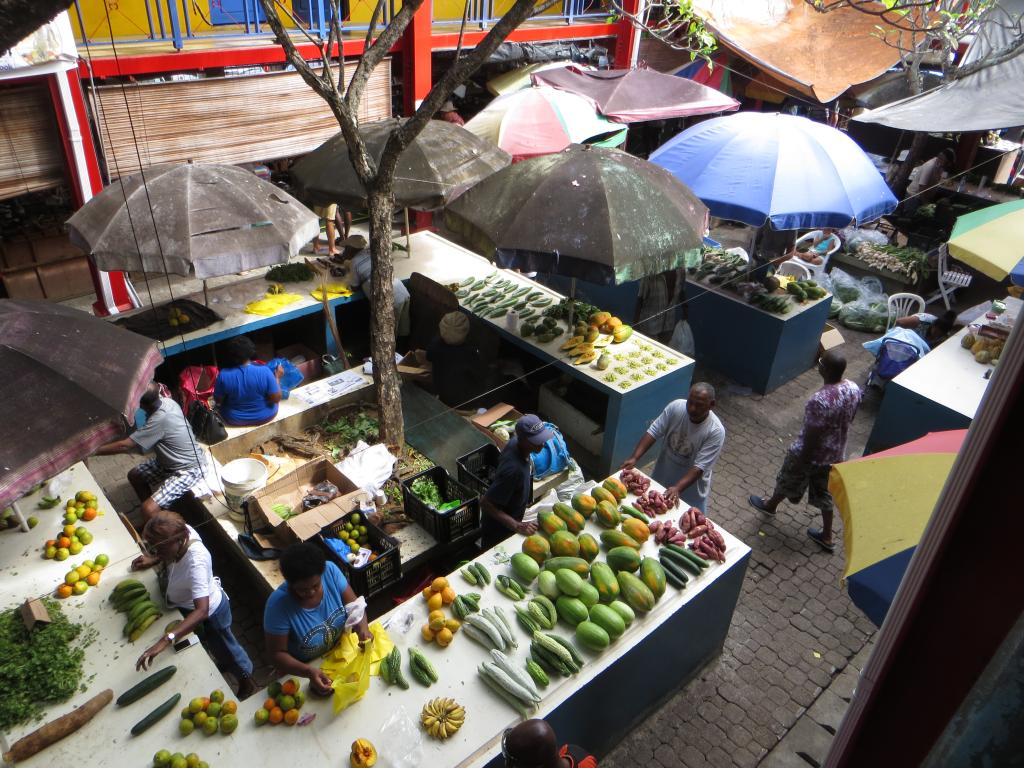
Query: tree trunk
{"x": 381, "y": 207}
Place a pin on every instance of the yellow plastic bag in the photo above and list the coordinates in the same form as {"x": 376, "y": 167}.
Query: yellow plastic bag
{"x": 350, "y": 666}
{"x": 271, "y": 304}
{"x": 334, "y": 291}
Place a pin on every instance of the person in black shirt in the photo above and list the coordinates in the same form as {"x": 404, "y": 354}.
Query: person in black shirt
{"x": 455, "y": 366}
{"x": 532, "y": 744}
{"x": 505, "y": 501}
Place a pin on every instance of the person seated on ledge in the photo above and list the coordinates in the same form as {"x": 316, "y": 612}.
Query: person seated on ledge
{"x": 533, "y": 743}
{"x": 247, "y": 395}
{"x": 932, "y": 329}
{"x": 305, "y": 617}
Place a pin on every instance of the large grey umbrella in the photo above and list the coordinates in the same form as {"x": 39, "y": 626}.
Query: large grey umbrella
{"x": 210, "y": 220}
{"x": 440, "y": 164}
{"x": 71, "y": 383}
{"x": 591, "y": 213}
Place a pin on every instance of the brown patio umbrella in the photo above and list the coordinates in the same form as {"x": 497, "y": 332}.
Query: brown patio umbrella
{"x": 636, "y": 95}
{"x": 440, "y": 164}
{"x": 71, "y": 383}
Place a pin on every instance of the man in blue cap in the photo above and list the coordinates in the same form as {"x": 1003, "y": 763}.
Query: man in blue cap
{"x": 505, "y": 500}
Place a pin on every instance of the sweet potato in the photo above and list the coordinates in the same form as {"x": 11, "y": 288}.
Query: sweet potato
{"x": 54, "y": 731}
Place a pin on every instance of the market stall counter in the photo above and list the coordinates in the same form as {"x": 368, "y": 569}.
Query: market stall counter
{"x": 943, "y": 390}
{"x": 596, "y": 705}
{"x": 109, "y": 656}
{"x": 752, "y": 345}
{"x": 640, "y": 377}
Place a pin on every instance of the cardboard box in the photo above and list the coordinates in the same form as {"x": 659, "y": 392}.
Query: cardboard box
{"x": 830, "y": 339}
{"x": 311, "y": 366}
{"x": 500, "y": 412}
{"x": 410, "y": 369}
{"x": 291, "y": 489}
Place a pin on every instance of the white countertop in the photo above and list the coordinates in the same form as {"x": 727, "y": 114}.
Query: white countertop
{"x": 326, "y": 741}
{"x": 794, "y": 307}
{"x": 445, "y": 262}
{"x": 949, "y": 376}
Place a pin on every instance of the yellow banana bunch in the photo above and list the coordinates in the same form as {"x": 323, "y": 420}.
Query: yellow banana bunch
{"x": 442, "y": 717}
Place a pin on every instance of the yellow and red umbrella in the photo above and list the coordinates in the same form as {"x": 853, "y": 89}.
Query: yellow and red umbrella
{"x": 886, "y": 500}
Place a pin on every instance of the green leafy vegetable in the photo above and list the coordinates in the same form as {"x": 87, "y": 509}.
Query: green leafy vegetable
{"x": 289, "y": 273}
{"x": 426, "y": 490}
{"x": 40, "y": 667}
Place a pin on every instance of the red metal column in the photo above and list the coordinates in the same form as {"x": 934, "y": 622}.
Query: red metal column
{"x": 626, "y": 38}
{"x": 112, "y": 290}
{"x": 416, "y": 49}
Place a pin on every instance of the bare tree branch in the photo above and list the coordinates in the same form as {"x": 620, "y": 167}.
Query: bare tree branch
{"x": 373, "y": 55}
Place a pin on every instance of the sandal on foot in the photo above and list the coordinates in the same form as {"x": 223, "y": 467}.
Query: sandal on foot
{"x": 817, "y": 537}
{"x": 757, "y": 502}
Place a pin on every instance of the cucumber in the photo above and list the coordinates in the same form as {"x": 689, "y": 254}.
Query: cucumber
{"x": 682, "y": 561}
{"x": 147, "y": 685}
{"x": 672, "y": 567}
{"x": 157, "y": 714}
{"x": 634, "y": 512}
{"x": 467, "y": 282}
{"x": 689, "y": 554}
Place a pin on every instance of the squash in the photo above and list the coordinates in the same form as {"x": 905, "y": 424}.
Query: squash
{"x": 616, "y": 488}
{"x": 549, "y": 522}
{"x": 600, "y": 493}
{"x": 636, "y": 530}
{"x": 637, "y": 595}
{"x": 577, "y": 564}
{"x": 592, "y": 636}
{"x": 608, "y": 620}
{"x": 573, "y": 520}
{"x": 537, "y": 547}
{"x": 607, "y": 514}
{"x": 364, "y": 754}
{"x": 603, "y": 577}
{"x": 584, "y": 503}
{"x": 623, "y": 559}
{"x": 589, "y": 549}
{"x": 564, "y": 544}
{"x": 653, "y": 575}
{"x": 615, "y": 538}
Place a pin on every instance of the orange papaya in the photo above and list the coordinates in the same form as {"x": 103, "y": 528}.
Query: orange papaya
{"x": 584, "y": 503}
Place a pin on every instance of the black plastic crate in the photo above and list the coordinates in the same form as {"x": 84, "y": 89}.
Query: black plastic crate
{"x": 476, "y": 468}
{"x": 448, "y": 526}
{"x": 377, "y": 575}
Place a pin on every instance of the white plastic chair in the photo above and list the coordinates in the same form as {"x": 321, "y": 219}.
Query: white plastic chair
{"x": 793, "y": 269}
{"x": 903, "y": 305}
{"x": 949, "y": 278}
{"x": 817, "y": 270}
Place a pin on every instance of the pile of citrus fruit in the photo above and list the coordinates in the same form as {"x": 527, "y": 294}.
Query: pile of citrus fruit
{"x": 439, "y": 628}
{"x": 209, "y": 714}
{"x": 164, "y": 759}
{"x": 284, "y": 700}
{"x": 78, "y": 580}
{"x": 82, "y": 507}
{"x": 69, "y": 542}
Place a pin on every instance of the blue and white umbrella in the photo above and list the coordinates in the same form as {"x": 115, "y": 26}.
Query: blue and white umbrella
{"x": 757, "y": 167}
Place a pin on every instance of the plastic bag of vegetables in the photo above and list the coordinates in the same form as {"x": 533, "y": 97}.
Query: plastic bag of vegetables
{"x": 844, "y": 286}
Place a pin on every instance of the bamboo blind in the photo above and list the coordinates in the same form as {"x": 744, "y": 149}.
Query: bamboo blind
{"x": 223, "y": 120}
{"x": 30, "y": 150}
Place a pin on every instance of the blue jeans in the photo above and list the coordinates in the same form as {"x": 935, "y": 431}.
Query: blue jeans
{"x": 222, "y": 643}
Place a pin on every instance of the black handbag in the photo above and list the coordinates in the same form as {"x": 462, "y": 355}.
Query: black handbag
{"x": 207, "y": 425}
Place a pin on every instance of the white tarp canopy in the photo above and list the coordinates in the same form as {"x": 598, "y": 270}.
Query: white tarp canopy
{"x": 985, "y": 100}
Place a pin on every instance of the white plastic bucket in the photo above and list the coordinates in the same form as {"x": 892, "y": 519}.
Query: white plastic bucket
{"x": 241, "y": 479}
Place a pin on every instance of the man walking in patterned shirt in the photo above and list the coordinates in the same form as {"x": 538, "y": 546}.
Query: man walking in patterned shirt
{"x": 820, "y": 444}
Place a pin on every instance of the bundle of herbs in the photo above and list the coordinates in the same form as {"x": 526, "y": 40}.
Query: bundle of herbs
{"x": 39, "y": 667}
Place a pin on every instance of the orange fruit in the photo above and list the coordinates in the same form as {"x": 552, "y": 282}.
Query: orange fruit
{"x": 276, "y": 715}
{"x": 92, "y": 579}
{"x": 269, "y": 704}
{"x": 427, "y": 592}
{"x": 63, "y": 542}
{"x": 443, "y": 637}
{"x": 435, "y": 602}
{"x": 447, "y": 595}
{"x": 438, "y": 584}
{"x": 427, "y": 633}
{"x": 291, "y": 717}
{"x": 69, "y": 530}
{"x": 83, "y": 571}
{"x": 289, "y": 687}
{"x": 64, "y": 590}
{"x": 206, "y": 703}
{"x": 50, "y": 543}
{"x": 89, "y": 514}
{"x": 229, "y": 707}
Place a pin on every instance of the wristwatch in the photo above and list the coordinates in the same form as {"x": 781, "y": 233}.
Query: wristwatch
{"x": 170, "y": 637}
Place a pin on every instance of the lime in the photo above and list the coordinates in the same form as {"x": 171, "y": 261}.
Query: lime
{"x": 228, "y": 724}
{"x": 200, "y": 718}
{"x": 103, "y": 560}
{"x": 32, "y": 522}
{"x": 80, "y": 587}
{"x": 274, "y": 689}
{"x": 214, "y": 709}
{"x": 196, "y": 705}
{"x": 75, "y": 548}
{"x": 286, "y": 702}
{"x": 261, "y": 716}
{"x": 217, "y": 696}
{"x": 179, "y": 762}
{"x": 192, "y": 760}
{"x": 185, "y": 727}
{"x": 354, "y": 519}
{"x": 162, "y": 759}
{"x": 210, "y": 726}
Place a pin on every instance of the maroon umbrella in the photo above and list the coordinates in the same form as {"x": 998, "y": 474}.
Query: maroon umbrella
{"x": 71, "y": 383}
{"x": 635, "y": 95}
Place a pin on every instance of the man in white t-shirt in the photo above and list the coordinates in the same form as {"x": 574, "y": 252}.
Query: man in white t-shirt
{"x": 693, "y": 438}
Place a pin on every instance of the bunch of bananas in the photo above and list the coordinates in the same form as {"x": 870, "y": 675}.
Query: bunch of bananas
{"x": 442, "y": 717}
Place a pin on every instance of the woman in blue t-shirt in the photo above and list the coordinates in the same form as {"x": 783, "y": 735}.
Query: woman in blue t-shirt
{"x": 305, "y": 616}
{"x": 246, "y": 395}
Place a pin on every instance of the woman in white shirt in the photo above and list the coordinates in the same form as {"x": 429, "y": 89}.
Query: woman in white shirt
{"x": 187, "y": 581}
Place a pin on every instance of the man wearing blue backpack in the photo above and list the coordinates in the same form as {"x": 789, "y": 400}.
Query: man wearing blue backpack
{"x": 510, "y": 491}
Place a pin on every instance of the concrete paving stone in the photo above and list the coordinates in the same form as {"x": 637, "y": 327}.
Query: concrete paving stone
{"x": 844, "y": 684}
{"x": 828, "y": 710}
{"x": 807, "y": 738}
{"x": 719, "y": 758}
